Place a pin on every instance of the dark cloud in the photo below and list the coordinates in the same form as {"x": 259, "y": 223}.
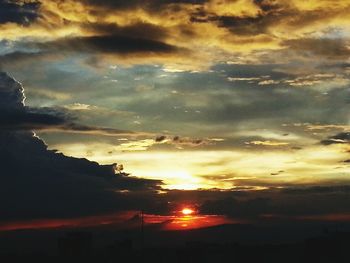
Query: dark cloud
{"x": 27, "y": 120}
{"x": 11, "y": 94}
{"x": 254, "y": 205}
{"x": 267, "y": 6}
{"x": 243, "y": 25}
{"x": 271, "y": 13}
{"x": 160, "y": 138}
{"x": 178, "y": 141}
{"x": 236, "y": 208}
{"x": 290, "y": 202}
{"x": 20, "y": 13}
{"x": 318, "y": 190}
{"x": 110, "y": 44}
{"x": 45, "y": 119}
{"x": 13, "y": 113}
{"x": 39, "y": 183}
{"x": 148, "y": 4}
{"x": 277, "y": 173}
{"x": 187, "y": 141}
{"x": 15, "y": 116}
{"x": 139, "y": 30}
{"x": 139, "y": 39}
{"x": 340, "y": 138}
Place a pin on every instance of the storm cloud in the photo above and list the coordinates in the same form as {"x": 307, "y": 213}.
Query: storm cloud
{"x": 37, "y": 182}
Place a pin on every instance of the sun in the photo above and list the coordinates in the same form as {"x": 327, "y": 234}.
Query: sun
{"x": 187, "y": 211}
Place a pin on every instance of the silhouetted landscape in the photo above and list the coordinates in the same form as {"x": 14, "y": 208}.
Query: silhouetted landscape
{"x": 225, "y": 243}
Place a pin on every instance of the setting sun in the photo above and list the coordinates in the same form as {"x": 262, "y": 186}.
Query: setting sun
{"x": 187, "y": 211}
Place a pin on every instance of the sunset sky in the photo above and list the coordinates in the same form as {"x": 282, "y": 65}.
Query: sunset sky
{"x": 241, "y": 102}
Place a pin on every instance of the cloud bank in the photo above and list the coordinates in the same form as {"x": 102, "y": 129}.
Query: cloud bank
{"x": 39, "y": 183}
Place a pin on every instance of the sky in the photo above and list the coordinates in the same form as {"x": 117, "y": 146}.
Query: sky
{"x": 240, "y": 107}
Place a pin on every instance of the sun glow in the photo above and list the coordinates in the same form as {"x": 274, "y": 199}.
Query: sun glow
{"x": 187, "y": 171}
{"x": 187, "y": 211}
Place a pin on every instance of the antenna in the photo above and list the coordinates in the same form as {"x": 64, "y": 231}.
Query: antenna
{"x": 142, "y": 229}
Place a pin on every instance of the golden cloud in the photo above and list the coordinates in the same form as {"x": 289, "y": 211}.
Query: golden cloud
{"x": 200, "y": 33}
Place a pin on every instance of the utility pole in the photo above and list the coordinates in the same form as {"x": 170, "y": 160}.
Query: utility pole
{"x": 142, "y": 229}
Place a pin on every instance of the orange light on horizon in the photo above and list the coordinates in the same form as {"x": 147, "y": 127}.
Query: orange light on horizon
{"x": 188, "y": 222}
{"x": 187, "y": 211}
{"x": 185, "y": 219}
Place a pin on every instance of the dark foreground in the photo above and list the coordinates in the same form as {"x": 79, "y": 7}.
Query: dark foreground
{"x": 84, "y": 246}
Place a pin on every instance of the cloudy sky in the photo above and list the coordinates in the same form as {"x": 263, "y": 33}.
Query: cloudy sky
{"x": 243, "y": 95}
